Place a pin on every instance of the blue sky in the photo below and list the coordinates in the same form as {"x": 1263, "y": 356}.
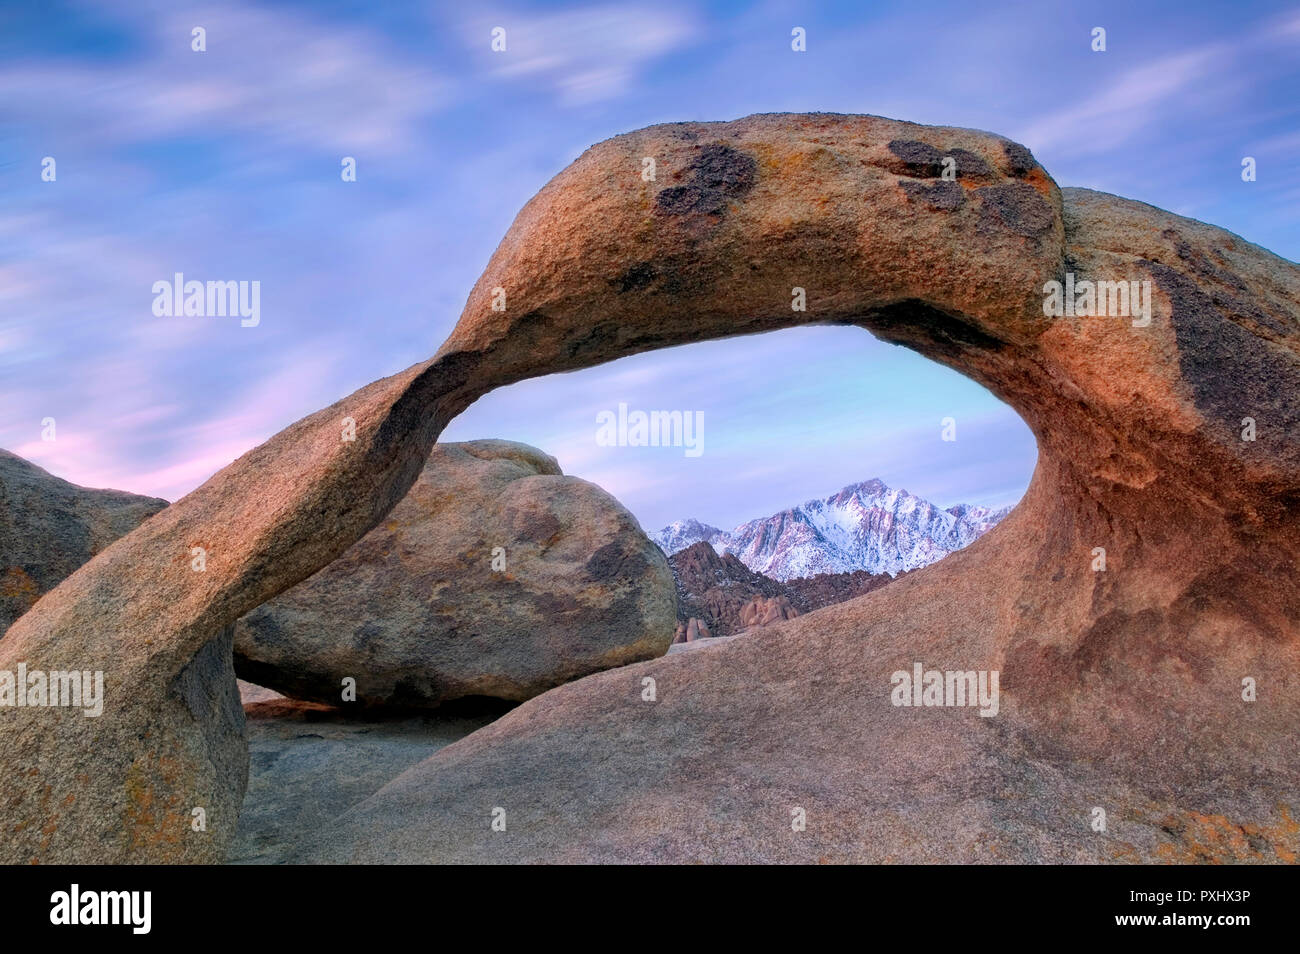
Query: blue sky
{"x": 225, "y": 165}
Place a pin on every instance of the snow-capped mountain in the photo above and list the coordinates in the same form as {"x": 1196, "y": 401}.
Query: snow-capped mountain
{"x": 865, "y": 526}
{"x": 680, "y": 534}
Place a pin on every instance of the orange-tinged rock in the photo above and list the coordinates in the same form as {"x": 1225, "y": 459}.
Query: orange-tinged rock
{"x": 1121, "y": 689}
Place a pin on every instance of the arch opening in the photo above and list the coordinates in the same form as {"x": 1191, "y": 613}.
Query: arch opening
{"x": 773, "y": 422}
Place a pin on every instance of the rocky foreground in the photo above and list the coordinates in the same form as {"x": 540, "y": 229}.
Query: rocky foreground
{"x": 309, "y": 763}
{"x": 1140, "y": 603}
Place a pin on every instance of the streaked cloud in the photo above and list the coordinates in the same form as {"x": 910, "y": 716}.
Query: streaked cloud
{"x": 1109, "y": 120}
{"x": 225, "y": 165}
{"x": 584, "y": 54}
{"x": 273, "y": 73}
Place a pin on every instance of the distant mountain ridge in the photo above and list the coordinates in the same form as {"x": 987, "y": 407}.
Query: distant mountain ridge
{"x": 719, "y": 593}
{"x": 866, "y": 526}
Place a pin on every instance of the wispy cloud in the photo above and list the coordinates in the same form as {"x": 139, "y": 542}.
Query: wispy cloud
{"x": 198, "y": 441}
{"x": 272, "y": 73}
{"x": 1106, "y": 121}
{"x": 224, "y": 165}
{"x": 585, "y": 54}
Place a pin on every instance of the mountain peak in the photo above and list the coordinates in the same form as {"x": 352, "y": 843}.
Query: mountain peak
{"x": 865, "y": 526}
{"x": 680, "y": 534}
{"x": 873, "y": 486}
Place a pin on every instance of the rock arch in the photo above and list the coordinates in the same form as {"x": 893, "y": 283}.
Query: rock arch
{"x": 1121, "y": 688}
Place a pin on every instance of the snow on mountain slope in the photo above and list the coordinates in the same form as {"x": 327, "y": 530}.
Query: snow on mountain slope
{"x": 680, "y": 534}
{"x": 866, "y": 526}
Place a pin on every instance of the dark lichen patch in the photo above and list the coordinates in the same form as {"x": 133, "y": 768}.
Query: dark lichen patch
{"x": 612, "y": 561}
{"x": 535, "y": 322}
{"x": 923, "y": 161}
{"x": 598, "y": 339}
{"x": 724, "y": 169}
{"x": 1020, "y": 161}
{"x": 263, "y": 629}
{"x": 719, "y": 173}
{"x": 1200, "y": 263}
{"x": 941, "y": 196}
{"x": 636, "y": 276}
{"x": 1226, "y": 589}
{"x": 1019, "y": 208}
{"x": 1231, "y": 372}
{"x": 918, "y": 158}
{"x": 1248, "y": 312}
{"x": 534, "y": 526}
{"x": 1117, "y": 640}
{"x": 685, "y": 200}
{"x": 969, "y": 165}
{"x": 554, "y": 606}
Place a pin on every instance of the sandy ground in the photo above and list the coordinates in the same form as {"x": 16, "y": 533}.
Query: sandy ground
{"x": 308, "y": 763}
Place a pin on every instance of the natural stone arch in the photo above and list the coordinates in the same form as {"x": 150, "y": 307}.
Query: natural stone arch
{"x": 1137, "y": 450}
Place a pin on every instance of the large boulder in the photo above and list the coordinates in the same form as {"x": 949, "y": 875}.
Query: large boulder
{"x": 49, "y": 527}
{"x": 495, "y": 576}
{"x": 1123, "y": 687}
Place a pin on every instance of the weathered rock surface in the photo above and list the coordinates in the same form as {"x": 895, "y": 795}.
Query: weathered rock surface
{"x": 416, "y": 613}
{"x": 699, "y": 643}
{"x": 309, "y": 763}
{"x": 49, "y": 527}
{"x": 1121, "y": 688}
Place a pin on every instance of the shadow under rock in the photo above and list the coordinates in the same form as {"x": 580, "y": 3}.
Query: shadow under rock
{"x": 309, "y": 763}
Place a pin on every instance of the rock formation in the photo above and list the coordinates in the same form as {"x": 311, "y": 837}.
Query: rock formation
{"x": 1122, "y": 688}
{"x": 765, "y": 610}
{"x": 726, "y": 597}
{"x": 813, "y": 592}
{"x": 495, "y": 576}
{"x": 691, "y": 630}
{"x": 713, "y": 587}
{"x": 49, "y": 527}
{"x": 124, "y": 787}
